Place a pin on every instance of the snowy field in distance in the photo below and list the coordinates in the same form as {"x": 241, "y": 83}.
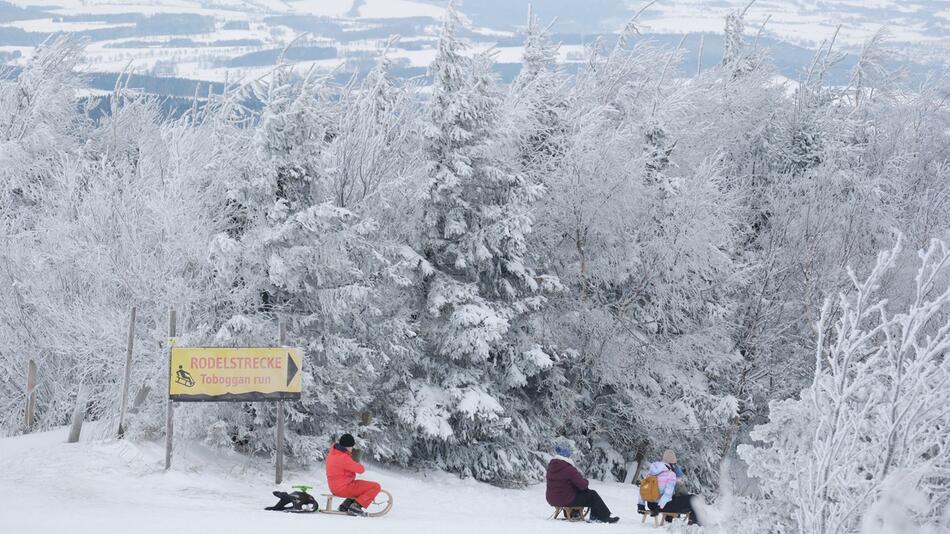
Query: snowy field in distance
{"x": 807, "y": 21}
{"x": 51, "y": 26}
{"x": 384, "y": 9}
{"x": 105, "y": 487}
{"x": 238, "y": 40}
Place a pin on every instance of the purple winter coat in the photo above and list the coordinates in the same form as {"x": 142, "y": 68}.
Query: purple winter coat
{"x": 564, "y": 481}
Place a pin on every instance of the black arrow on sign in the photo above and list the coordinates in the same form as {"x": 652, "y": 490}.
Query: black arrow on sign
{"x": 291, "y": 369}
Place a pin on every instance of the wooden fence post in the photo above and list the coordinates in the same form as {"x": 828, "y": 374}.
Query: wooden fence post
{"x": 30, "y": 396}
{"x": 79, "y": 414}
{"x": 128, "y": 374}
{"x": 140, "y": 398}
{"x": 169, "y": 417}
{"x": 633, "y": 468}
{"x": 365, "y": 419}
{"x": 279, "y": 474}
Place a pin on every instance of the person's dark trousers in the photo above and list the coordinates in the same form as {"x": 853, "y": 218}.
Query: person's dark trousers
{"x": 590, "y": 498}
{"x": 678, "y": 504}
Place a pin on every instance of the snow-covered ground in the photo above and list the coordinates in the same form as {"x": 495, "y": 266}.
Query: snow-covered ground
{"x": 107, "y": 486}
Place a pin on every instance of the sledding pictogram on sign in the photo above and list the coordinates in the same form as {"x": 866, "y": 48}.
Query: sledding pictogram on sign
{"x": 200, "y": 374}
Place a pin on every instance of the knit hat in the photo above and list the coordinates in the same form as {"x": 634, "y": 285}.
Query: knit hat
{"x": 347, "y": 440}
{"x": 669, "y": 457}
{"x": 562, "y": 450}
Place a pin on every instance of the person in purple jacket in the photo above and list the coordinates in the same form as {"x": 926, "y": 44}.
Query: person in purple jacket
{"x": 567, "y": 487}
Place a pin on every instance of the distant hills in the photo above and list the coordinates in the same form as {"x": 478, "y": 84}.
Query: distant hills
{"x": 239, "y": 40}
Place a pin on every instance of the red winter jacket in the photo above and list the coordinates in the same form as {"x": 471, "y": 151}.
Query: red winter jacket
{"x": 564, "y": 481}
{"x": 341, "y": 469}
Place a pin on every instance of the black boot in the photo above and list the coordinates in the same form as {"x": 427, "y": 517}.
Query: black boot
{"x": 345, "y": 505}
{"x": 355, "y": 509}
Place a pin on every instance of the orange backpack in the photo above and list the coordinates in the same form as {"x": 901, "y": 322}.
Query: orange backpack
{"x": 650, "y": 489}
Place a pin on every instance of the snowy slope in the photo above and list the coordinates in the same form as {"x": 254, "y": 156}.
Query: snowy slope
{"x": 105, "y": 486}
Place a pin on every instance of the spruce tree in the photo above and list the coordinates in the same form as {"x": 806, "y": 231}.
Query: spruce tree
{"x": 473, "y": 398}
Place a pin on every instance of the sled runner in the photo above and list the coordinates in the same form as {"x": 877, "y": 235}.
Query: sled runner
{"x": 379, "y": 507}
{"x": 571, "y": 513}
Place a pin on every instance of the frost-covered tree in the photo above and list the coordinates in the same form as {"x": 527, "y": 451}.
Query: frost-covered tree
{"x": 38, "y": 120}
{"x": 817, "y": 199}
{"x": 38, "y": 124}
{"x": 373, "y": 157}
{"x": 121, "y": 219}
{"x": 873, "y": 420}
{"x": 642, "y": 234}
{"x": 738, "y": 57}
{"x": 306, "y": 246}
{"x": 292, "y": 254}
{"x": 537, "y": 106}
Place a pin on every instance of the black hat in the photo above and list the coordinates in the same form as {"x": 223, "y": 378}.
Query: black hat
{"x": 347, "y": 440}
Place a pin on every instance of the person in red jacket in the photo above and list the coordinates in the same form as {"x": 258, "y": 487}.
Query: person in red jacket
{"x": 567, "y": 487}
{"x": 341, "y": 477}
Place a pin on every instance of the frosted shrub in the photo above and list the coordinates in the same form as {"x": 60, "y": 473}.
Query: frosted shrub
{"x": 872, "y": 426}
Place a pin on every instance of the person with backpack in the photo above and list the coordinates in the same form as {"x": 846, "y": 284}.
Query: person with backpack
{"x": 341, "y": 477}
{"x": 566, "y": 487}
{"x": 658, "y": 490}
{"x": 669, "y": 458}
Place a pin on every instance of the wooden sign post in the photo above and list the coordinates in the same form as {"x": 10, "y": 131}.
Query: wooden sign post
{"x": 279, "y": 468}
{"x": 170, "y": 416}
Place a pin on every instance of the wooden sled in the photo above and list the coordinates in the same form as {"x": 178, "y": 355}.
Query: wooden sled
{"x": 380, "y": 506}
{"x": 660, "y": 517}
{"x": 571, "y": 513}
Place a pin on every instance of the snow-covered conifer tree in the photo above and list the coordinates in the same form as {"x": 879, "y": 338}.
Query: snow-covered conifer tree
{"x": 472, "y": 399}
{"x": 738, "y": 57}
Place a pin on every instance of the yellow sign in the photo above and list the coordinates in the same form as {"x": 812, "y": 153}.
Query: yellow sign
{"x": 235, "y": 374}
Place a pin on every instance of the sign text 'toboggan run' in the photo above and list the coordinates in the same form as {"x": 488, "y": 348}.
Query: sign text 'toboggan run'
{"x": 235, "y": 374}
